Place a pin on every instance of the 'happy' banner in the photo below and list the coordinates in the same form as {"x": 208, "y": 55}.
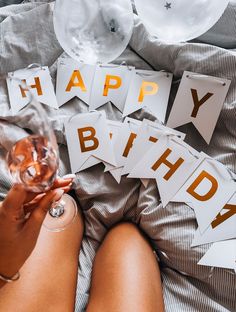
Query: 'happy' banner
{"x": 199, "y": 99}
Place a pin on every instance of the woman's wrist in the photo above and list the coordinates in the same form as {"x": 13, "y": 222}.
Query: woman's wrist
{"x": 8, "y": 271}
{"x": 9, "y": 279}
{"x": 4, "y": 279}
{"x": 7, "y": 276}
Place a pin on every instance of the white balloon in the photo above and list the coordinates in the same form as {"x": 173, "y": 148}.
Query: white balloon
{"x": 93, "y": 31}
{"x": 179, "y": 20}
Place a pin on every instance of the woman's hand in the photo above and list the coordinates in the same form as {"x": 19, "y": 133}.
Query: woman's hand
{"x": 18, "y": 235}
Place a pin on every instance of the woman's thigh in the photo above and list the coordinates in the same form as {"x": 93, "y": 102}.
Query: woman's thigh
{"x": 126, "y": 275}
{"x": 48, "y": 278}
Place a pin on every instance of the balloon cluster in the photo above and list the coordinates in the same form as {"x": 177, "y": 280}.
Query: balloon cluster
{"x": 98, "y": 31}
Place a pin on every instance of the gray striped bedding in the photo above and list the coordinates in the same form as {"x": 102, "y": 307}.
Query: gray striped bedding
{"x": 186, "y": 286}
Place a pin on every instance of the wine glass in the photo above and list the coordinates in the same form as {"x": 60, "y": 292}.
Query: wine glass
{"x": 33, "y": 159}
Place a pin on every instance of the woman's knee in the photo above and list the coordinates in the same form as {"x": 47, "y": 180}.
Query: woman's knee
{"x": 124, "y": 238}
{"x": 126, "y": 230}
{"x": 125, "y": 267}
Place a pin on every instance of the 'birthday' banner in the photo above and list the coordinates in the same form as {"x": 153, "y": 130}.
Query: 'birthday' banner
{"x": 148, "y": 150}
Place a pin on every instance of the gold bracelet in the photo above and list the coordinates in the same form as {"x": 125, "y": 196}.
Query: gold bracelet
{"x": 6, "y": 279}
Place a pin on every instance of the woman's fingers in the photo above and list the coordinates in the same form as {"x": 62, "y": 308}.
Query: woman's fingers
{"x": 12, "y": 206}
{"x": 18, "y": 201}
{"x": 36, "y": 218}
{"x": 32, "y": 196}
{"x": 63, "y": 182}
{"x": 29, "y": 207}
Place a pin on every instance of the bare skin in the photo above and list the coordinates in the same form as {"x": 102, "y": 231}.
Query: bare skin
{"x": 126, "y": 275}
{"x": 18, "y": 235}
{"x": 48, "y": 278}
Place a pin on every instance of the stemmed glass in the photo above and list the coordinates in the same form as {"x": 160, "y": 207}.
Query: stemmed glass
{"x": 33, "y": 160}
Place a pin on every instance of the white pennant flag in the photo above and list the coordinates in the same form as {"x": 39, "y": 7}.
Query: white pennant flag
{"x": 145, "y": 182}
{"x": 147, "y": 135}
{"x": 170, "y": 162}
{"x": 114, "y": 127}
{"x": 74, "y": 79}
{"x": 207, "y": 191}
{"x": 149, "y": 89}
{"x": 221, "y": 255}
{"x": 111, "y": 84}
{"x": 222, "y": 227}
{"x": 199, "y": 100}
{"x": 123, "y": 144}
{"x": 90, "y": 162}
{"x": 116, "y": 173}
{"x": 88, "y": 136}
{"x": 37, "y": 80}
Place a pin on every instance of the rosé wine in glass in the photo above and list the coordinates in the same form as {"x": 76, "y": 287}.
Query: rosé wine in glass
{"x": 33, "y": 162}
{"x": 33, "y": 157}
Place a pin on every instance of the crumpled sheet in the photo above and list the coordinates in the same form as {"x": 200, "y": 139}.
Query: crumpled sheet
{"x": 27, "y": 36}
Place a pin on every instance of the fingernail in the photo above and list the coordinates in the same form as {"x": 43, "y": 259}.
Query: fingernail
{"x": 67, "y": 188}
{"x": 57, "y": 194}
{"x": 69, "y": 177}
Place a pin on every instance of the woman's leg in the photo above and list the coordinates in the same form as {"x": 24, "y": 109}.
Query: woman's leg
{"x": 48, "y": 278}
{"x": 126, "y": 276}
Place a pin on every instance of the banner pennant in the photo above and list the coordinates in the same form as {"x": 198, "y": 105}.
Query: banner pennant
{"x": 88, "y": 135}
{"x": 111, "y": 84}
{"x": 37, "y": 80}
{"x": 147, "y": 135}
{"x": 149, "y": 89}
{"x": 199, "y": 100}
{"x": 169, "y": 163}
{"x": 74, "y": 79}
{"x": 207, "y": 191}
{"x": 221, "y": 255}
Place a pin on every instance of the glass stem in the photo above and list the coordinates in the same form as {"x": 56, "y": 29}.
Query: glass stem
{"x": 57, "y": 209}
